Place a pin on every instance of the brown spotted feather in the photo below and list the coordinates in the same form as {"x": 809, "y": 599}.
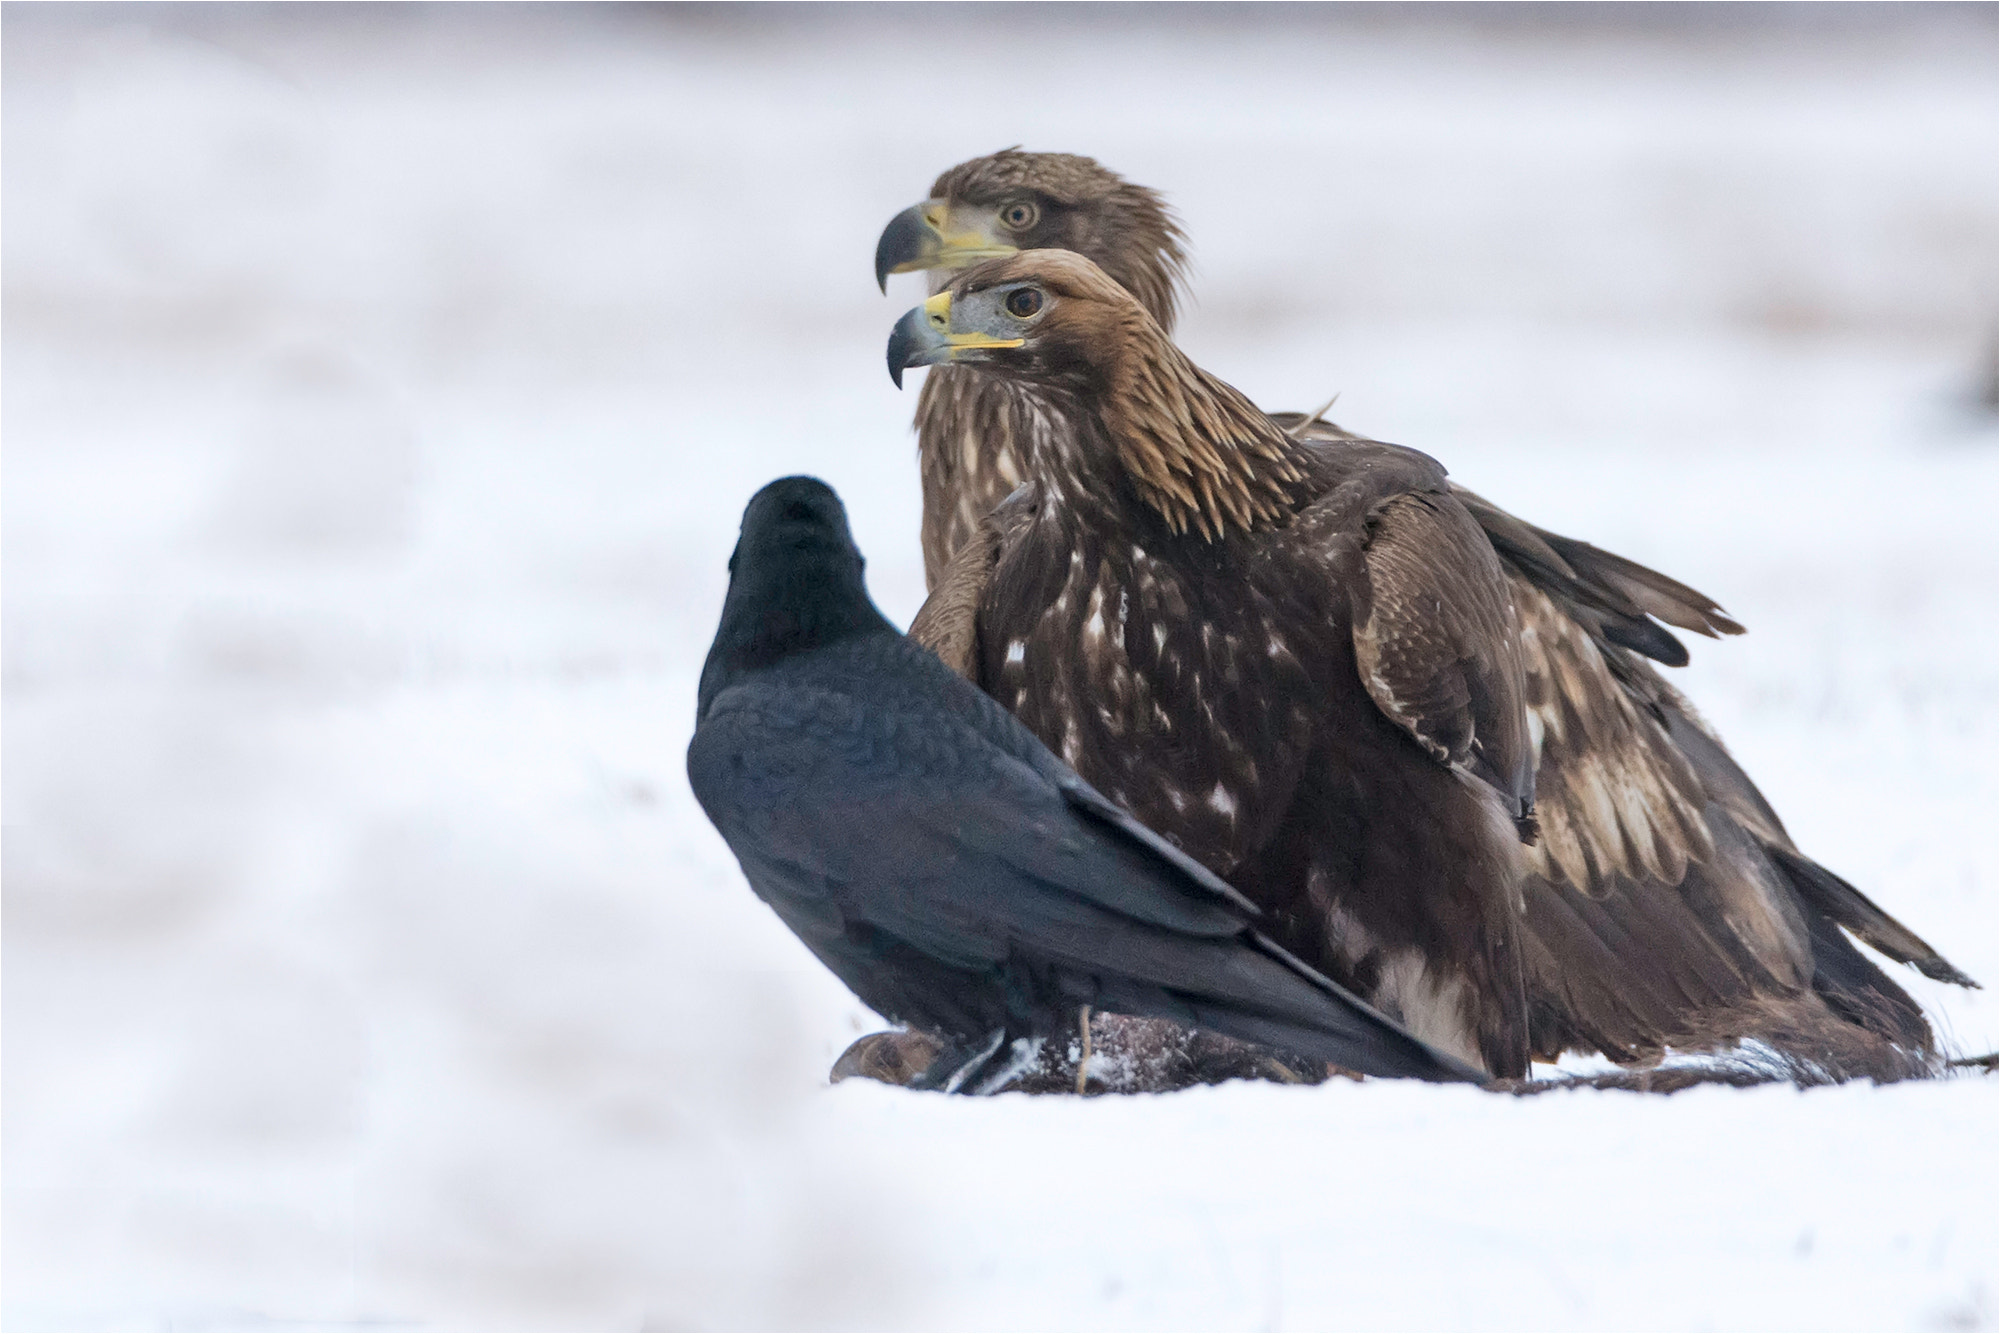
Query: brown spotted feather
{"x": 1665, "y": 905}
{"x": 1173, "y": 610}
{"x": 973, "y": 431}
{"x": 1617, "y": 801}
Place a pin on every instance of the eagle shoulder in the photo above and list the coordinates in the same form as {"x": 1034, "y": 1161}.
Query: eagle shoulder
{"x": 1435, "y": 641}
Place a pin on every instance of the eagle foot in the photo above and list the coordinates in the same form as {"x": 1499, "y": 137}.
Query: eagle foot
{"x": 1125, "y": 1055}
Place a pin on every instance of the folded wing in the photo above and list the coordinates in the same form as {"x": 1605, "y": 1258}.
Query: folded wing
{"x": 915, "y": 844}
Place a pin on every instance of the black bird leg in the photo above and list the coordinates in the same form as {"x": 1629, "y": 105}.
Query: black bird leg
{"x": 982, "y": 1069}
{"x": 1023, "y": 1054}
{"x": 958, "y": 1062}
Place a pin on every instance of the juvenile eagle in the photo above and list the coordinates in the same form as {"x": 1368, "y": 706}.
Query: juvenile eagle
{"x": 1299, "y": 660}
{"x": 1188, "y": 602}
{"x": 941, "y": 861}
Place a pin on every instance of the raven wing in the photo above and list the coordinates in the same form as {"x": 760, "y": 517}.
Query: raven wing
{"x": 895, "y": 839}
{"x": 968, "y": 849}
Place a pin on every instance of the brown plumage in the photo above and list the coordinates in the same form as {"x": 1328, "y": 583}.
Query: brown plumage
{"x": 975, "y": 434}
{"x": 1665, "y": 905}
{"x": 1297, "y": 661}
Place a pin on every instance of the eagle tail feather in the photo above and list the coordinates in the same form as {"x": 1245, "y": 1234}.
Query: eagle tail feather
{"x": 1828, "y": 894}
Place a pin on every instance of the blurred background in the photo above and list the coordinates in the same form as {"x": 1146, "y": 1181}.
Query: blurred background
{"x": 382, "y": 388}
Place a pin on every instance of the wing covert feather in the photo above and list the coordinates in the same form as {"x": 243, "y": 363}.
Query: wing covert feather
{"x": 1435, "y": 641}
{"x": 1615, "y": 797}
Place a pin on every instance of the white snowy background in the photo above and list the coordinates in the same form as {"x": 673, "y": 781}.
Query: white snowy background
{"x": 382, "y": 390}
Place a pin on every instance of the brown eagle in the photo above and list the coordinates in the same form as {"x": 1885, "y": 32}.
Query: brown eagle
{"x": 1665, "y": 905}
{"x": 1298, "y": 660}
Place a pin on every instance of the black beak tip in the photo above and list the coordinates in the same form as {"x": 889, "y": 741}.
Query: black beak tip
{"x": 906, "y": 343}
{"x": 887, "y": 256}
{"x": 908, "y": 239}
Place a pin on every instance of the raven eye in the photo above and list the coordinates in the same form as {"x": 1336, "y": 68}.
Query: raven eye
{"x": 1023, "y": 302}
{"x": 1019, "y": 215}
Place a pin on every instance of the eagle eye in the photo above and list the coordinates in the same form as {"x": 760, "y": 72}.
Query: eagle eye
{"x": 1019, "y": 215}
{"x": 1024, "y": 303}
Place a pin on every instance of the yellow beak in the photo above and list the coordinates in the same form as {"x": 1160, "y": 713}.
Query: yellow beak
{"x": 924, "y": 338}
{"x": 929, "y": 236}
{"x": 937, "y": 314}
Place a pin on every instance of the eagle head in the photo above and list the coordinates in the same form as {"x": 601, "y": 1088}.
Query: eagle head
{"x": 1048, "y": 316}
{"x": 1012, "y": 201}
{"x": 1122, "y": 394}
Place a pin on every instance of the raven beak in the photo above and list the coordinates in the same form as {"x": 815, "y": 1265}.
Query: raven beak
{"x": 932, "y": 235}
{"x": 924, "y": 338}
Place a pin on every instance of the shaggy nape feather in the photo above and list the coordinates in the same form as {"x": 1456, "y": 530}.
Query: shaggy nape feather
{"x": 1196, "y": 449}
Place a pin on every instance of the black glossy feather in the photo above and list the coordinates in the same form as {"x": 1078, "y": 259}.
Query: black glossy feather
{"x": 939, "y": 859}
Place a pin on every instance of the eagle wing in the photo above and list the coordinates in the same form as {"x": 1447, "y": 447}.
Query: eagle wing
{"x": 948, "y": 622}
{"x": 1619, "y": 599}
{"x": 1435, "y": 645}
{"x": 1666, "y": 905}
{"x": 1616, "y": 799}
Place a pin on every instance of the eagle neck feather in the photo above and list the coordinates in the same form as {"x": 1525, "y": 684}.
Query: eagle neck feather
{"x": 1194, "y": 449}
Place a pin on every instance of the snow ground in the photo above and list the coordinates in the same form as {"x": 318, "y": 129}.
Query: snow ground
{"x": 382, "y": 390}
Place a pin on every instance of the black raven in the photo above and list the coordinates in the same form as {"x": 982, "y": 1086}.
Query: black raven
{"x": 942, "y": 862}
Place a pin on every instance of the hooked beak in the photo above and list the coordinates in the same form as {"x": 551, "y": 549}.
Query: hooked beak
{"x": 930, "y": 235}
{"x": 924, "y": 338}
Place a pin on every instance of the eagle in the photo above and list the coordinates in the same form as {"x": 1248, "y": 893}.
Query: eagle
{"x": 1281, "y": 593}
{"x": 948, "y": 868}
